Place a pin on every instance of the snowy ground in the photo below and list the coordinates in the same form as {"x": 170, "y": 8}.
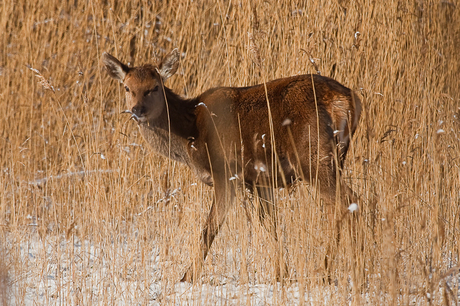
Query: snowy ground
{"x": 59, "y": 271}
{"x": 56, "y": 271}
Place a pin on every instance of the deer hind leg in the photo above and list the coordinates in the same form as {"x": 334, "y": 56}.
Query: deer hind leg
{"x": 336, "y": 197}
{"x": 268, "y": 219}
{"x": 267, "y": 211}
{"x": 223, "y": 201}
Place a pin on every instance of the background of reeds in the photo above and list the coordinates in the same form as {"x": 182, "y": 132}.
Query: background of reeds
{"x": 90, "y": 216}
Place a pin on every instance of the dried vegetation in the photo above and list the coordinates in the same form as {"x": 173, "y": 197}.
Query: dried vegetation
{"x": 88, "y": 215}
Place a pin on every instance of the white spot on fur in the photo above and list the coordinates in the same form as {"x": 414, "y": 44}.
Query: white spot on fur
{"x": 259, "y": 166}
{"x": 286, "y": 121}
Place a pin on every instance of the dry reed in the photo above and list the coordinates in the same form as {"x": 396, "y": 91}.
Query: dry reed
{"x": 88, "y": 215}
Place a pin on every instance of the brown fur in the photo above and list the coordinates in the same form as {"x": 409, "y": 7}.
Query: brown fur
{"x": 224, "y": 135}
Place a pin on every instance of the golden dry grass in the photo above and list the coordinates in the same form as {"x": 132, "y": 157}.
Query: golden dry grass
{"x": 88, "y": 215}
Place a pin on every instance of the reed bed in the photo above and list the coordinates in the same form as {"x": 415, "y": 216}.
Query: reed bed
{"x": 90, "y": 216}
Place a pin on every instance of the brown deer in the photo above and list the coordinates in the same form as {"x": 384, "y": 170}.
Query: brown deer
{"x": 263, "y": 136}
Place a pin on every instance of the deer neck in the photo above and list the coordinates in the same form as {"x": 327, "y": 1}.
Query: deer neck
{"x": 170, "y": 133}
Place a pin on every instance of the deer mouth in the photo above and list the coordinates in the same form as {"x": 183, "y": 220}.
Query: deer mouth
{"x": 138, "y": 119}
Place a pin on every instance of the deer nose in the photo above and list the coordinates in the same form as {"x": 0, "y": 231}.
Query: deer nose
{"x": 139, "y": 110}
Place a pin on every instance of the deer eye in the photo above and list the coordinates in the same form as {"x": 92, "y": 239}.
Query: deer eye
{"x": 127, "y": 88}
{"x": 150, "y": 91}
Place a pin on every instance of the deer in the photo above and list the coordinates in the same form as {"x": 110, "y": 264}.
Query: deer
{"x": 263, "y": 136}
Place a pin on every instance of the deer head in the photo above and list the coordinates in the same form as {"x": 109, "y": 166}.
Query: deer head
{"x": 145, "y": 95}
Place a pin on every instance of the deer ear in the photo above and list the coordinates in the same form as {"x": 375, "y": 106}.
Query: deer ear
{"x": 169, "y": 64}
{"x": 114, "y": 67}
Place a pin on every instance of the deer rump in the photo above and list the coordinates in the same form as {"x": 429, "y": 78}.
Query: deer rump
{"x": 262, "y": 136}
